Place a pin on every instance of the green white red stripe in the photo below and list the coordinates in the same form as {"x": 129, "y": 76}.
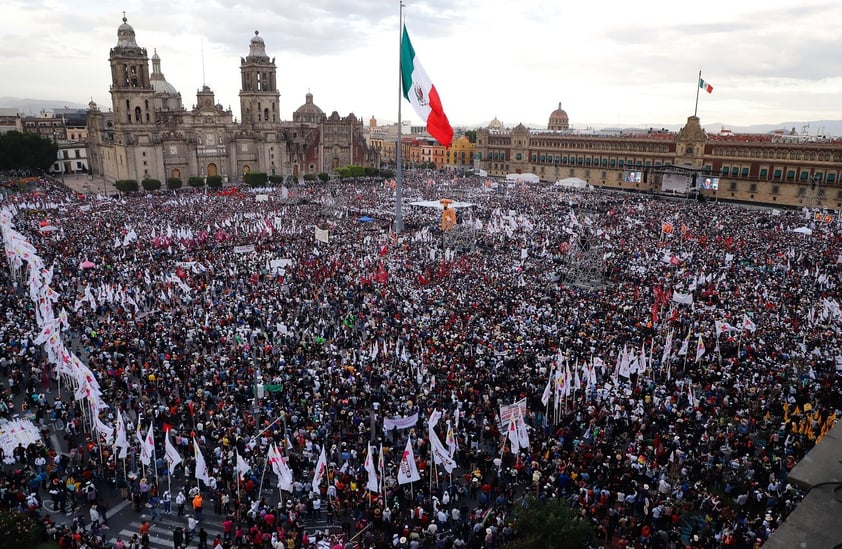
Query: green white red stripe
{"x": 705, "y": 86}
{"x": 419, "y": 90}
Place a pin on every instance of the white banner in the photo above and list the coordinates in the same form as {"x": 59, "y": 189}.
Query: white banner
{"x": 322, "y": 235}
{"x": 400, "y": 422}
{"x": 508, "y": 410}
{"x": 244, "y": 249}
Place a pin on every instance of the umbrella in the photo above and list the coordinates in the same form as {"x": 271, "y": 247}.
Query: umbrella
{"x": 87, "y": 265}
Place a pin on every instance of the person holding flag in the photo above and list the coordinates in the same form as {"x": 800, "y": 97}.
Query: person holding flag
{"x": 319, "y": 472}
{"x": 372, "y": 484}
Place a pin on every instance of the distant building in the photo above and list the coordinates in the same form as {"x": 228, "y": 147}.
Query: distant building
{"x": 148, "y": 133}
{"x": 786, "y": 169}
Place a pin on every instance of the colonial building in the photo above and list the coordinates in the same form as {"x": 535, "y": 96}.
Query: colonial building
{"x": 775, "y": 168}
{"x": 148, "y": 133}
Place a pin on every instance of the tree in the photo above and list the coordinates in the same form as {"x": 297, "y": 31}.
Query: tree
{"x": 540, "y": 525}
{"x": 127, "y": 185}
{"x": 276, "y": 179}
{"x": 471, "y": 135}
{"x": 173, "y": 183}
{"x": 196, "y": 181}
{"x": 19, "y": 529}
{"x": 215, "y": 181}
{"x": 324, "y": 177}
{"x": 150, "y": 184}
{"x": 309, "y": 177}
{"x": 26, "y": 151}
{"x": 256, "y": 179}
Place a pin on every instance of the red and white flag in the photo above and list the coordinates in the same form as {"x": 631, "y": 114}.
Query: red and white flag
{"x": 372, "y": 485}
{"x": 202, "y": 471}
{"x": 319, "y": 473}
{"x": 407, "y": 469}
{"x": 172, "y": 455}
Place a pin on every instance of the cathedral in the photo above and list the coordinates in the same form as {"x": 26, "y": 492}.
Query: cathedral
{"x": 149, "y": 134}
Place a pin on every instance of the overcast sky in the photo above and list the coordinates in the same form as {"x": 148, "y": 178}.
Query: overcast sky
{"x": 609, "y": 62}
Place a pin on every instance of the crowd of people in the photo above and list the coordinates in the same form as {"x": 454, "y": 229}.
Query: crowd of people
{"x": 220, "y": 318}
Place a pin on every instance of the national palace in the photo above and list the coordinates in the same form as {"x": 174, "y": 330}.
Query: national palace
{"x": 775, "y": 168}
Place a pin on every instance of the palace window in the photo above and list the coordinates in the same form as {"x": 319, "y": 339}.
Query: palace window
{"x": 725, "y": 170}
{"x": 777, "y": 174}
{"x": 763, "y": 173}
{"x": 831, "y": 177}
{"x": 776, "y": 189}
{"x": 805, "y": 175}
{"x": 745, "y": 172}
{"x": 790, "y": 175}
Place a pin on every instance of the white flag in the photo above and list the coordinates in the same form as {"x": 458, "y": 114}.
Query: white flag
{"x": 242, "y": 467}
{"x": 407, "y": 470}
{"x": 514, "y": 440}
{"x": 748, "y": 324}
{"x": 684, "y": 299}
{"x": 372, "y": 485}
{"x": 685, "y": 346}
{"x": 120, "y": 440}
{"x": 700, "y": 348}
{"x": 667, "y": 350}
{"x": 145, "y": 454}
{"x": 281, "y": 469}
{"x": 450, "y": 439}
{"x": 440, "y": 454}
{"x": 722, "y": 326}
{"x": 105, "y": 430}
{"x": 172, "y": 455}
{"x": 522, "y": 433}
{"x": 202, "y": 472}
{"x": 319, "y": 473}
{"x": 548, "y": 389}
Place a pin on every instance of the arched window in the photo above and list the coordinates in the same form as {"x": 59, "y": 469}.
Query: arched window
{"x": 265, "y": 114}
{"x": 137, "y": 114}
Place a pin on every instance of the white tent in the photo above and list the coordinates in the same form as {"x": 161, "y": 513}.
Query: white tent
{"x": 481, "y": 173}
{"x": 573, "y": 183}
{"x": 523, "y": 178}
{"x": 455, "y": 204}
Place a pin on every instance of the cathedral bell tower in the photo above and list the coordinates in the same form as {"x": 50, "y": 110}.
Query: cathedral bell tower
{"x": 132, "y": 94}
{"x": 259, "y": 97}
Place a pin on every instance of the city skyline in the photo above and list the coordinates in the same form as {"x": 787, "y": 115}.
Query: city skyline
{"x": 608, "y": 63}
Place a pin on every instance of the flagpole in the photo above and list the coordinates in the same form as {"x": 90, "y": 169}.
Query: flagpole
{"x": 398, "y": 171}
{"x": 263, "y": 474}
{"x": 696, "y": 108}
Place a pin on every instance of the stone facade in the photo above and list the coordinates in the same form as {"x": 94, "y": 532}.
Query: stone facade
{"x": 149, "y": 134}
{"x": 776, "y": 168}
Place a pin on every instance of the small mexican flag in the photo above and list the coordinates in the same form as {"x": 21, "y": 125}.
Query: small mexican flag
{"x": 705, "y": 86}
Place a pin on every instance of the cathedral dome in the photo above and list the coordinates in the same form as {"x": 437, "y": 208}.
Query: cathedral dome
{"x": 125, "y": 35}
{"x": 309, "y": 111}
{"x": 559, "y": 120}
{"x": 495, "y": 124}
{"x": 157, "y": 80}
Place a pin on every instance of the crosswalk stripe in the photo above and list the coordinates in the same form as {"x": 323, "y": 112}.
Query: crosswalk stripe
{"x": 161, "y": 532}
